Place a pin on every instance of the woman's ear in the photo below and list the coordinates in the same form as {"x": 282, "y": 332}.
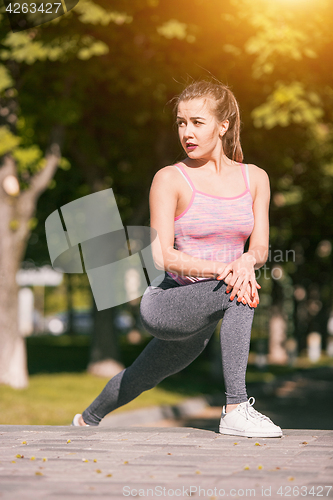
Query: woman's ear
{"x": 224, "y": 127}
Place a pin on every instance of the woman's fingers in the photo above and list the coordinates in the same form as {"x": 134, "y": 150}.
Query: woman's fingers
{"x": 243, "y": 286}
{"x": 225, "y": 272}
{"x": 240, "y": 286}
{"x": 227, "y": 280}
{"x": 246, "y": 297}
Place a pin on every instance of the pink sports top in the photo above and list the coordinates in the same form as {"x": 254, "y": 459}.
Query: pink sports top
{"x": 213, "y": 227}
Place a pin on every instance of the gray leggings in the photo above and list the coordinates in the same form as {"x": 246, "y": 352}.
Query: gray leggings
{"x": 182, "y": 319}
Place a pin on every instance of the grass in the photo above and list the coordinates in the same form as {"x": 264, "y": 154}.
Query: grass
{"x": 53, "y": 399}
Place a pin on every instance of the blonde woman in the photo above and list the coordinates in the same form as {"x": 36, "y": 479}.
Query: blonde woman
{"x": 204, "y": 209}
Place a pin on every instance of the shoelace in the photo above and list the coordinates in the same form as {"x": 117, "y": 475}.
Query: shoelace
{"x": 254, "y": 413}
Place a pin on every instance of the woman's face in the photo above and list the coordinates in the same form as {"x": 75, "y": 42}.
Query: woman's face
{"x": 199, "y": 131}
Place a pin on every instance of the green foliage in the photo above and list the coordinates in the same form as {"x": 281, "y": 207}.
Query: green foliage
{"x": 175, "y": 29}
{"x": 119, "y": 130}
{"x": 289, "y": 103}
{"x": 92, "y": 48}
{"x": 8, "y": 141}
{"x": 282, "y": 33}
{"x": 92, "y": 13}
{"x": 29, "y": 158}
{"x": 6, "y": 79}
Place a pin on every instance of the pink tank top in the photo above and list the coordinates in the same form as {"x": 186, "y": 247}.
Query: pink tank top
{"x": 213, "y": 227}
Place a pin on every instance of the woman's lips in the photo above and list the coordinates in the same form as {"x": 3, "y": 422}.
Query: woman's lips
{"x": 191, "y": 147}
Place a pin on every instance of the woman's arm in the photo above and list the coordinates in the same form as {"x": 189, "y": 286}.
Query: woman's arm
{"x": 259, "y": 239}
{"x": 163, "y": 200}
{"x": 243, "y": 268}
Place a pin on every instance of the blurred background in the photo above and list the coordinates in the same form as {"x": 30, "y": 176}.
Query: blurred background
{"x": 95, "y": 85}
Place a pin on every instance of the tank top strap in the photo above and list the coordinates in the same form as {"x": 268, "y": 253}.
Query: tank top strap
{"x": 185, "y": 175}
{"x": 245, "y": 171}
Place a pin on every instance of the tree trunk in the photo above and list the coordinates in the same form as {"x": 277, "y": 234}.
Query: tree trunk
{"x": 16, "y": 211}
{"x": 277, "y": 338}
{"x": 13, "y": 364}
{"x": 277, "y": 353}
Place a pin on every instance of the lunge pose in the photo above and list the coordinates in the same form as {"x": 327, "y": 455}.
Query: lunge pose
{"x": 204, "y": 209}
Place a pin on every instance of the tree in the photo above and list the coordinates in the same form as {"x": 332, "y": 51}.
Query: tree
{"x": 17, "y": 211}
{"x": 24, "y": 172}
{"x": 291, "y": 54}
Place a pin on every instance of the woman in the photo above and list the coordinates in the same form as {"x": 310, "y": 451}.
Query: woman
{"x": 204, "y": 209}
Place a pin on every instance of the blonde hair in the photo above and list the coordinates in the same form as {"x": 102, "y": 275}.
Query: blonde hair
{"x": 224, "y": 107}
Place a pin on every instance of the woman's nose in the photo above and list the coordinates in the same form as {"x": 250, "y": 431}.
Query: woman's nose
{"x": 188, "y": 131}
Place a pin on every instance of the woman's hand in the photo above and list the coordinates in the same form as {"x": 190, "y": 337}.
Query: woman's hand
{"x": 253, "y": 301}
{"x": 242, "y": 281}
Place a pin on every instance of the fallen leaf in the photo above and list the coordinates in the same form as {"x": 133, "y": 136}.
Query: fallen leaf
{"x": 257, "y": 444}
{"x": 44, "y": 459}
{"x": 24, "y": 442}
{"x": 85, "y": 460}
{"x": 304, "y": 442}
{"x": 98, "y": 471}
{"x": 197, "y": 472}
{"x": 38, "y": 473}
{"x": 19, "y": 456}
{"x": 68, "y": 441}
{"x": 246, "y": 467}
{"x": 33, "y": 458}
{"x": 291, "y": 478}
{"x": 259, "y": 466}
{"x": 108, "y": 475}
{"x": 95, "y": 460}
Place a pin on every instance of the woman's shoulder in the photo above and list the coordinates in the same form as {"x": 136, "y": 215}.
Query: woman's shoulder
{"x": 257, "y": 171}
{"x": 259, "y": 182}
{"x": 167, "y": 174}
{"x": 259, "y": 175}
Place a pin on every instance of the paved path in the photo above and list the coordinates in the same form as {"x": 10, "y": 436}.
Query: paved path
{"x": 180, "y": 454}
{"x": 116, "y": 463}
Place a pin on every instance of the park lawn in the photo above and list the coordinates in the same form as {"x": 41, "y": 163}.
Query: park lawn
{"x": 54, "y": 399}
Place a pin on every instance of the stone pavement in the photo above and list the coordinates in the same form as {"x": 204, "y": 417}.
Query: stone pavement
{"x": 181, "y": 453}
{"x": 50, "y": 462}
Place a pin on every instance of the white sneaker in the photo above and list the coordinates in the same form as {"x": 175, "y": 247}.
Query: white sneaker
{"x": 244, "y": 420}
{"x": 76, "y": 421}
